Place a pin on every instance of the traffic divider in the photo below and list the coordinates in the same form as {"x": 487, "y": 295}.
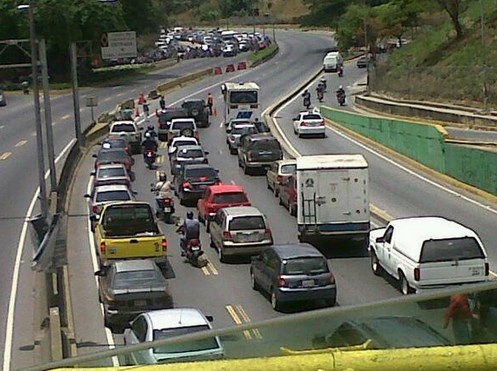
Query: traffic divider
{"x": 230, "y": 68}
{"x": 241, "y": 66}
{"x": 218, "y": 71}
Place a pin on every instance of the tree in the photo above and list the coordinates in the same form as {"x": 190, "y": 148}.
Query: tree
{"x": 454, "y": 9}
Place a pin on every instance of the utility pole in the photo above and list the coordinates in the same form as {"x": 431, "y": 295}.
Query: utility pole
{"x": 36, "y": 95}
{"x": 75, "y": 93}
{"x": 48, "y": 115}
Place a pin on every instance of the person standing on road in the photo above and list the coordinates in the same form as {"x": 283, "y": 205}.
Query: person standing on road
{"x": 459, "y": 311}
{"x": 210, "y": 102}
{"x": 162, "y": 102}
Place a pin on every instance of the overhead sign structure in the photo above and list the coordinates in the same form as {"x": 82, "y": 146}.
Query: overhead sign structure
{"x": 118, "y": 45}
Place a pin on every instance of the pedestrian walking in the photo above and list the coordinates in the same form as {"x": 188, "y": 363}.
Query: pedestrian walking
{"x": 461, "y": 315}
{"x": 162, "y": 102}
{"x": 210, "y": 102}
{"x": 146, "y": 108}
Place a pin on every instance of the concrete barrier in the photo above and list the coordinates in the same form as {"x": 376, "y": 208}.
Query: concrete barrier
{"x": 430, "y": 111}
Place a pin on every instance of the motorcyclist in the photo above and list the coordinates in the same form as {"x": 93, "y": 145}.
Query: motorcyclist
{"x": 149, "y": 144}
{"x": 151, "y": 130}
{"x": 307, "y": 98}
{"x": 163, "y": 190}
{"x": 322, "y": 81}
{"x": 340, "y": 93}
{"x": 340, "y": 71}
{"x": 190, "y": 230}
{"x": 320, "y": 91}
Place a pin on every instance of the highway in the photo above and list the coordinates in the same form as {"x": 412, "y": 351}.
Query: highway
{"x": 222, "y": 290}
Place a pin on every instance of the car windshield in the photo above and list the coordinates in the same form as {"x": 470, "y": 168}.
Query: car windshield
{"x": 207, "y": 173}
{"x": 136, "y": 279}
{"x": 247, "y": 223}
{"x": 298, "y": 266}
{"x": 265, "y": 144}
{"x": 288, "y": 169}
{"x": 180, "y": 125}
{"x": 190, "y": 153}
{"x": 312, "y": 117}
{"x": 243, "y": 97}
{"x": 112, "y": 155}
{"x": 185, "y": 346}
{"x": 128, "y": 128}
{"x": 230, "y": 198}
{"x": 112, "y": 196}
{"x": 112, "y": 172}
{"x": 237, "y": 130}
{"x": 451, "y": 249}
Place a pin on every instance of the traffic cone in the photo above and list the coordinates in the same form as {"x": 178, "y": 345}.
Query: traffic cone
{"x": 137, "y": 112}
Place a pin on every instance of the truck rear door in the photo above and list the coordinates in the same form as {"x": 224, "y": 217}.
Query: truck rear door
{"x": 331, "y": 196}
{"x": 133, "y": 247}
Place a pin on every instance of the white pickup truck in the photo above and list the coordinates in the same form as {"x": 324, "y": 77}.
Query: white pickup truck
{"x": 428, "y": 253}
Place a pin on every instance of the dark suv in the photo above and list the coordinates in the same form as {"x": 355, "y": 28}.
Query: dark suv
{"x": 258, "y": 151}
{"x": 197, "y": 109}
{"x": 191, "y": 182}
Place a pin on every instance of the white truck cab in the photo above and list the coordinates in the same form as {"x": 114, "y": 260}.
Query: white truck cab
{"x": 428, "y": 253}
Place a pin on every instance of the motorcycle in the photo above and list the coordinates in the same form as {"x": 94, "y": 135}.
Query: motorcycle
{"x": 340, "y": 71}
{"x": 150, "y": 157}
{"x": 341, "y": 98}
{"x": 164, "y": 205}
{"x": 194, "y": 252}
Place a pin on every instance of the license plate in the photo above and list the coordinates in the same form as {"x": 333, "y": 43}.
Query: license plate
{"x": 195, "y": 248}
{"x": 112, "y": 250}
{"x": 308, "y": 283}
{"x": 140, "y": 303}
{"x": 248, "y": 237}
{"x": 476, "y": 271}
{"x": 167, "y": 209}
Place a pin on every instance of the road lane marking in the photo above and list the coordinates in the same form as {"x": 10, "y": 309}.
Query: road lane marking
{"x": 211, "y": 267}
{"x": 5, "y": 155}
{"x": 160, "y": 159}
{"x": 33, "y": 134}
{"x": 21, "y": 143}
{"x": 238, "y": 321}
{"x": 120, "y": 94}
{"x": 246, "y": 318}
{"x": 2, "y": 126}
{"x": 107, "y": 99}
{"x": 65, "y": 117}
{"x": 240, "y": 317}
{"x": 163, "y": 145}
{"x": 206, "y": 271}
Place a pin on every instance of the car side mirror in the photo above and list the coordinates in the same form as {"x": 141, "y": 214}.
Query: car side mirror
{"x": 101, "y": 273}
{"x": 295, "y": 118}
{"x": 94, "y": 155}
{"x": 93, "y": 173}
{"x": 172, "y": 186}
{"x": 228, "y": 130}
{"x": 87, "y": 196}
{"x": 210, "y": 318}
{"x": 140, "y": 128}
{"x": 206, "y": 152}
{"x": 217, "y": 171}
{"x": 95, "y": 218}
{"x": 380, "y": 239}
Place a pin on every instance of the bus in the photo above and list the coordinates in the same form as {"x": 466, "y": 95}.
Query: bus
{"x": 241, "y": 101}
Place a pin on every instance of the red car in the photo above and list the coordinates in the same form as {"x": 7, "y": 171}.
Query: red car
{"x": 218, "y": 196}
{"x": 288, "y": 194}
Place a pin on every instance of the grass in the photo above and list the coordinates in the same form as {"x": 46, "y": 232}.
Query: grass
{"x": 260, "y": 55}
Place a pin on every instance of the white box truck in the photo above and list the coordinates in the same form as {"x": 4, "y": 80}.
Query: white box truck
{"x": 333, "y": 197}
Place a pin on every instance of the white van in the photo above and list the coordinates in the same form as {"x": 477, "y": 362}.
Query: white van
{"x": 331, "y": 62}
{"x": 428, "y": 253}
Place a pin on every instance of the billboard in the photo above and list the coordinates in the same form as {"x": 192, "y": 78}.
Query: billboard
{"x": 118, "y": 45}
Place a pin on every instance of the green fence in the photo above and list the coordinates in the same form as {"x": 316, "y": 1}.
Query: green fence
{"x": 426, "y": 145}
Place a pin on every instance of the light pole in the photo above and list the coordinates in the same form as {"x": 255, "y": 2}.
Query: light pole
{"x": 36, "y": 96}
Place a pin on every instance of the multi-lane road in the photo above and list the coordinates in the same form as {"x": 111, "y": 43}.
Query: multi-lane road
{"x": 222, "y": 290}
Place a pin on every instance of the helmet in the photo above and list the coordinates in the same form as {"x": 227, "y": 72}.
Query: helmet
{"x": 323, "y": 79}
{"x": 189, "y": 215}
{"x": 162, "y": 176}
{"x": 340, "y": 87}
{"x": 147, "y": 135}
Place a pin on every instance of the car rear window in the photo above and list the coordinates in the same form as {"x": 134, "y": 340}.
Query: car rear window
{"x": 136, "y": 279}
{"x": 113, "y": 155}
{"x": 244, "y": 223}
{"x": 230, "y": 198}
{"x": 244, "y": 130}
{"x": 288, "y": 169}
{"x": 128, "y": 128}
{"x": 191, "y": 153}
{"x": 111, "y": 172}
{"x": 209, "y": 173}
{"x": 308, "y": 266}
{"x": 179, "y": 143}
{"x": 243, "y": 97}
{"x": 113, "y": 196}
{"x": 180, "y": 125}
{"x": 451, "y": 249}
{"x": 265, "y": 144}
{"x": 184, "y": 346}
{"x": 312, "y": 117}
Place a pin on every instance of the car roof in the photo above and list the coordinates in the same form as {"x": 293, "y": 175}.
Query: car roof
{"x": 187, "y": 118}
{"x": 412, "y": 232}
{"x": 110, "y": 150}
{"x": 242, "y": 211}
{"x": 260, "y": 136}
{"x": 134, "y": 265}
{"x": 177, "y": 317}
{"x": 340, "y": 161}
{"x": 181, "y": 138}
{"x": 287, "y": 162}
{"x": 296, "y": 250}
{"x": 399, "y": 331}
{"x": 226, "y": 188}
{"x": 110, "y": 166}
{"x": 120, "y": 122}
{"x": 242, "y": 125}
{"x": 111, "y": 187}
{"x": 197, "y": 166}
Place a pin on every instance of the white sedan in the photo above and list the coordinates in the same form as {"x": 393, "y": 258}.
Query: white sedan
{"x": 309, "y": 123}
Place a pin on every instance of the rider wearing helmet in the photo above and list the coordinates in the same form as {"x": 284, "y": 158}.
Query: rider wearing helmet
{"x": 149, "y": 143}
{"x": 190, "y": 230}
{"x": 162, "y": 190}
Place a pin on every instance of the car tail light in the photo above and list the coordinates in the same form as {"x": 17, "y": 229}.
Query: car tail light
{"x": 417, "y": 274}
{"x": 205, "y": 161}
{"x": 303, "y": 123}
{"x": 267, "y": 233}
{"x": 126, "y": 149}
{"x": 95, "y": 209}
{"x": 164, "y": 245}
{"x": 234, "y": 106}
{"x": 227, "y": 235}
{"x": 332, "y": 278}
{"x": 254, "y": 105}
{"x": 103, "y": 248}
{"x": 167, "y": 201}
{"x": 282, "y": 282}
{"x": 321, "y": 123}
{"x": 186, "y": 185}
{"x": 487, "y": 269}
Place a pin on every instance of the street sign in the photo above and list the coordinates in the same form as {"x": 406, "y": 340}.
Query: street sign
{"x": 118, "y": 45}
{"x": 91, "y": 102}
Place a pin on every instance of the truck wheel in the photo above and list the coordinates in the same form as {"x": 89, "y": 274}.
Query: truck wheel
{"x": 405, "y": 289}
{"x": 375, "y": 264}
